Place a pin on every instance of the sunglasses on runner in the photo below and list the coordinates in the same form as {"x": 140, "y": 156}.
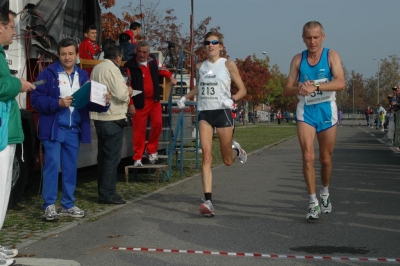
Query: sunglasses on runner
{"x": 213, "y": 42}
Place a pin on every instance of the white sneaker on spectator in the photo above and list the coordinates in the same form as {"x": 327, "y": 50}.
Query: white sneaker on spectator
{"x": 153, "y": 158}
{"x": 8, "y": 252}
{"x": 138, "y": 163}
{"x": 50, "y": 213}
{"x": 74, "y": 212}
{"x": 5, "y": 261}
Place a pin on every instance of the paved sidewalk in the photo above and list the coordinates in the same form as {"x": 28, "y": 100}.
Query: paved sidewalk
{"x": 260, "y": 209}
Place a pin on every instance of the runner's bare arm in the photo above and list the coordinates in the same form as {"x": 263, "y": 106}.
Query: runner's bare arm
{"x": 338, "y": 83}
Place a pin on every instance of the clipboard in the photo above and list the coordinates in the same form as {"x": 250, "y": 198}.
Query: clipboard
{"x": 82, "y": 96}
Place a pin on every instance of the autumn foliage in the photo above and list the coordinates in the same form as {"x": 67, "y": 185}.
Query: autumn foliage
{"x": 255, "y": 76}
{"x": 107, "y": 3}
{"x": 161, "y": 28}
{"x": 157, "y": 28}
{"x": 112, "y": 26}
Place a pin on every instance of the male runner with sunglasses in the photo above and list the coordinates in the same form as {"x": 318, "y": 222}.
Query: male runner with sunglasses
{"x": 214, "y": 104}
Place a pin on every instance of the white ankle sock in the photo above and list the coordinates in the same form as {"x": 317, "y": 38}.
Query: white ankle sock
{"x": 324, "y": 190}
{"x": 313, "y": 198}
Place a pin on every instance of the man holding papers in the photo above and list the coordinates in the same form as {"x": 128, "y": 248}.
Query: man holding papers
{"x": 110, "y": 125}
{"x": 62, "y": 128}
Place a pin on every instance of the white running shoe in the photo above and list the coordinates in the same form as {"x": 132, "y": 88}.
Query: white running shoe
{"x": 153, "y": 158}
{"x": 138, "y": 163}
{"x": 5, "y": 261}
{"x": 206, "y": 208}
{"x": 74, "y": 212}
{"x": 325, "y": 202}
{"x": 313, "y": 211}
{"x": 8, "y": 252}
{"x": 242, "y": 154}
{"x": 50, "y": 213}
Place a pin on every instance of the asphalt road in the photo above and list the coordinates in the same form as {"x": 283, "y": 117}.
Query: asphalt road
{"x": 260, "y": 211}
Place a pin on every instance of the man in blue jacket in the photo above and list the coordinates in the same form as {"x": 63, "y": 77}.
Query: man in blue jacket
{"x": 62, "y": 128}
{"x": 10, "y": 123}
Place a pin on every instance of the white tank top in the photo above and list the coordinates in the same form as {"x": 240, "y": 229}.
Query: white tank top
{"x": 214, "y": 85}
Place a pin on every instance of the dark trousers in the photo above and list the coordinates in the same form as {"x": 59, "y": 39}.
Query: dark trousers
{"x": 109, "y": 136}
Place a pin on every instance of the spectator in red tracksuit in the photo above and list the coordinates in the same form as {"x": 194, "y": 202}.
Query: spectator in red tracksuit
{"x": 144, "y": 74}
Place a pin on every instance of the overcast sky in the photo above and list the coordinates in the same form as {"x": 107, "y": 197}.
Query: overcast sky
{"x": 359, "y": 30}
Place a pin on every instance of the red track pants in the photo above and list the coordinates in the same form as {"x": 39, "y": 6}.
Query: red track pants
{"x": 152, "y": 110}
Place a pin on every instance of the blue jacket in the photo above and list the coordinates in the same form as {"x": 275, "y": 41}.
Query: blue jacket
{"x": 129, "y": 50}
{"x": 45, "y": 100}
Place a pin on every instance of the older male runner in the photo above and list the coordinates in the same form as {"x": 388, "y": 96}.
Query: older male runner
{"x": 315, "y": 76}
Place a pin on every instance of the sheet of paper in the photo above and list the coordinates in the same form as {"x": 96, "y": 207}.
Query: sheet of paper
{"x": 98, "y": 93}
{"x": 136, "y": 92}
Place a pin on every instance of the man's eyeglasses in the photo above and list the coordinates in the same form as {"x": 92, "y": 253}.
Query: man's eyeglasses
{"x": 12, "y": 27}
{"x": 213, "y": 42}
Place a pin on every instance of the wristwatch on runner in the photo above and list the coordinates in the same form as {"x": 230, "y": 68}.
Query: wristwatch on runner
{"x": 317, "y": 85}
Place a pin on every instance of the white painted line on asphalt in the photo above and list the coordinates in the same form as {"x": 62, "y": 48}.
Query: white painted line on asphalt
{"x": 255, "y": 255}
{"x": 43, "y": 262}
{"x": 372, "y": 135}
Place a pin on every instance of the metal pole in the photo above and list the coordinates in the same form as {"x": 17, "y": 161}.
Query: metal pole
{"x": 378, "y": 74}
{"x": 378, "y": 81}
{"x": 353, "y": 94}
{"x": 192, "y": 66}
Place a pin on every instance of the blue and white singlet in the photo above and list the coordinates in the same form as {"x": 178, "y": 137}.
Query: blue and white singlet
{"x": 319, "y": 108}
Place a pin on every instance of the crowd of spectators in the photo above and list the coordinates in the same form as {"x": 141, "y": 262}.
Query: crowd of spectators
{"x": 384, "y": 118}
{"x": 278, "y": 116}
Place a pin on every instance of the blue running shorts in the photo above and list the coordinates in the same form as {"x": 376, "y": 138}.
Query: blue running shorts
{"x": 321, "y": 116}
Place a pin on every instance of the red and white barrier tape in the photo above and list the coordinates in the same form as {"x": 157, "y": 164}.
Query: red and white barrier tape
{"x": 257, "y": 255}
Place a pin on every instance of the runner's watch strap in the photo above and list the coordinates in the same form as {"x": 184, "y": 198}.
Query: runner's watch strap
{"x": 317, "y": 85}
{"x": 233, "y": 99}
